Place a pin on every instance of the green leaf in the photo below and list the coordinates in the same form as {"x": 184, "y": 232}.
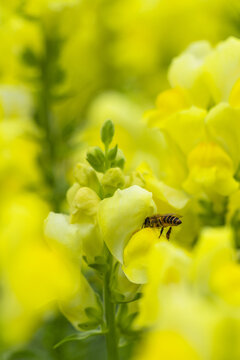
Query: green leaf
{"x": 88, "y": 325}
{"x": 22, "y": 355}
{"x": 96, "y": 159}
{"x": 119, "y": 298}
{"x": 100, "y": 259}
{"x": 112, "y": 153}
{"x": 93, "y": 314}
{"x": 129, "y": 337}
{"x": 107, "y": 132}
{"x": 129, "y": 319}
{"x": 101, "y": 268}
{"x": 79, "y": 336}
{"x": 119, "y": 163}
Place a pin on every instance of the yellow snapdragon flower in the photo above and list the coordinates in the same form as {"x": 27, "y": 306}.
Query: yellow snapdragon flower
{"x": 77, "y": 234}
{"x": 167, "y": 345}
{"x": 33, "y": 277}
{"x": 197, "y": 119}
{"x": 121, "y": 215}
{"x": 192, "y": 299}
{"x": 201, "y": 69}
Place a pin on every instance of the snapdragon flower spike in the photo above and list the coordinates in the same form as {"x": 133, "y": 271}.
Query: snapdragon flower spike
{"x": 102, "y": 161}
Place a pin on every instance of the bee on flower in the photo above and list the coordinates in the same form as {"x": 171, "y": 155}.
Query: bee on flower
{"x": 162, "y": 221}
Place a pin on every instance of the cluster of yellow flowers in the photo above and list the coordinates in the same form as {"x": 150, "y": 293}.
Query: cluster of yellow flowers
{"x": 109, "y": 275}
{"x": 191, "y": 300}
{"x": 191, "y": 293}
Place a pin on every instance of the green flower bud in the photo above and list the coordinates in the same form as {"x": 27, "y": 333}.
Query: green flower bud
{"x": 85, "y": 203}
{"x": 107, "y": 132}
{"x": 112, "y": 153}
{"x": 119, "y": 160}
{"x": 96, "y": 158}
{"x": 112, "y": 180}
{"x": 86, "y": 176}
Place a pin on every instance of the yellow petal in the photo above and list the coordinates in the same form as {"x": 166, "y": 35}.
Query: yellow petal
{"x": 167, "y": 265}
{"x": 223, "y": 126}
{"x": 213, "y": 250}
{"x": 186, "y": 128}
{"x": 222, "y": 68}
{"x": 168, "y": 102}
{"x": 40, "y": 276}
{"x": 234, "y": 97}
{"x": 166, "y": 345}
{"x": 121, "y": 215}
{"x": 63, "y": 235}
{"x": 76, "y": 240}
{"x": 167, "y": 198}
{"x": 210, "y": 169}
{"x": 187, "y": 71}
{"x": 136, "y": 254}
{"x": 186, "y": 67}
{"x": 225, "y": 282}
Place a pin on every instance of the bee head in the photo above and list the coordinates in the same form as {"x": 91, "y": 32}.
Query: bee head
{"x": 146, "y": 222}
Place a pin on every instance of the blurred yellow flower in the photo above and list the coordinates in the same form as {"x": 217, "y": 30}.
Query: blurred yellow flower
{"x": 197, "y": 120}
{"x": 210, "y": 169}
{"x": 207, "y": 74}
{"x": 195, "y": 297}
{"x": 166, "y": 345}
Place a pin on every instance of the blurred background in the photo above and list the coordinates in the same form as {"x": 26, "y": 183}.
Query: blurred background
{"x": 65, "y": 67}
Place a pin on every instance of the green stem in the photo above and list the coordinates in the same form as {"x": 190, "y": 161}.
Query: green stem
{"x": 51, "y": 167}
{"x": 109, "y": 306}
{"x": 106, "y": 158}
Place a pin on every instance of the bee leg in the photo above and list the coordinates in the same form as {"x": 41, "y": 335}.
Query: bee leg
{"x": 160, "y": 232}
{"x": 168, "y": 233}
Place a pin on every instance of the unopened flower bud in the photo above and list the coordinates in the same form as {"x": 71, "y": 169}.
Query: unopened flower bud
{"x": 135, "y": 178}
{"x": 112, "y": 180}
{"x": 86, "y": 176}
{"x": 85, "y": 203}
{"x": 119, "y": 160}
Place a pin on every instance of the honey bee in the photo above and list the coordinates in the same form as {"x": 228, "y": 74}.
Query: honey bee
{"x": 162, "y": 221}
